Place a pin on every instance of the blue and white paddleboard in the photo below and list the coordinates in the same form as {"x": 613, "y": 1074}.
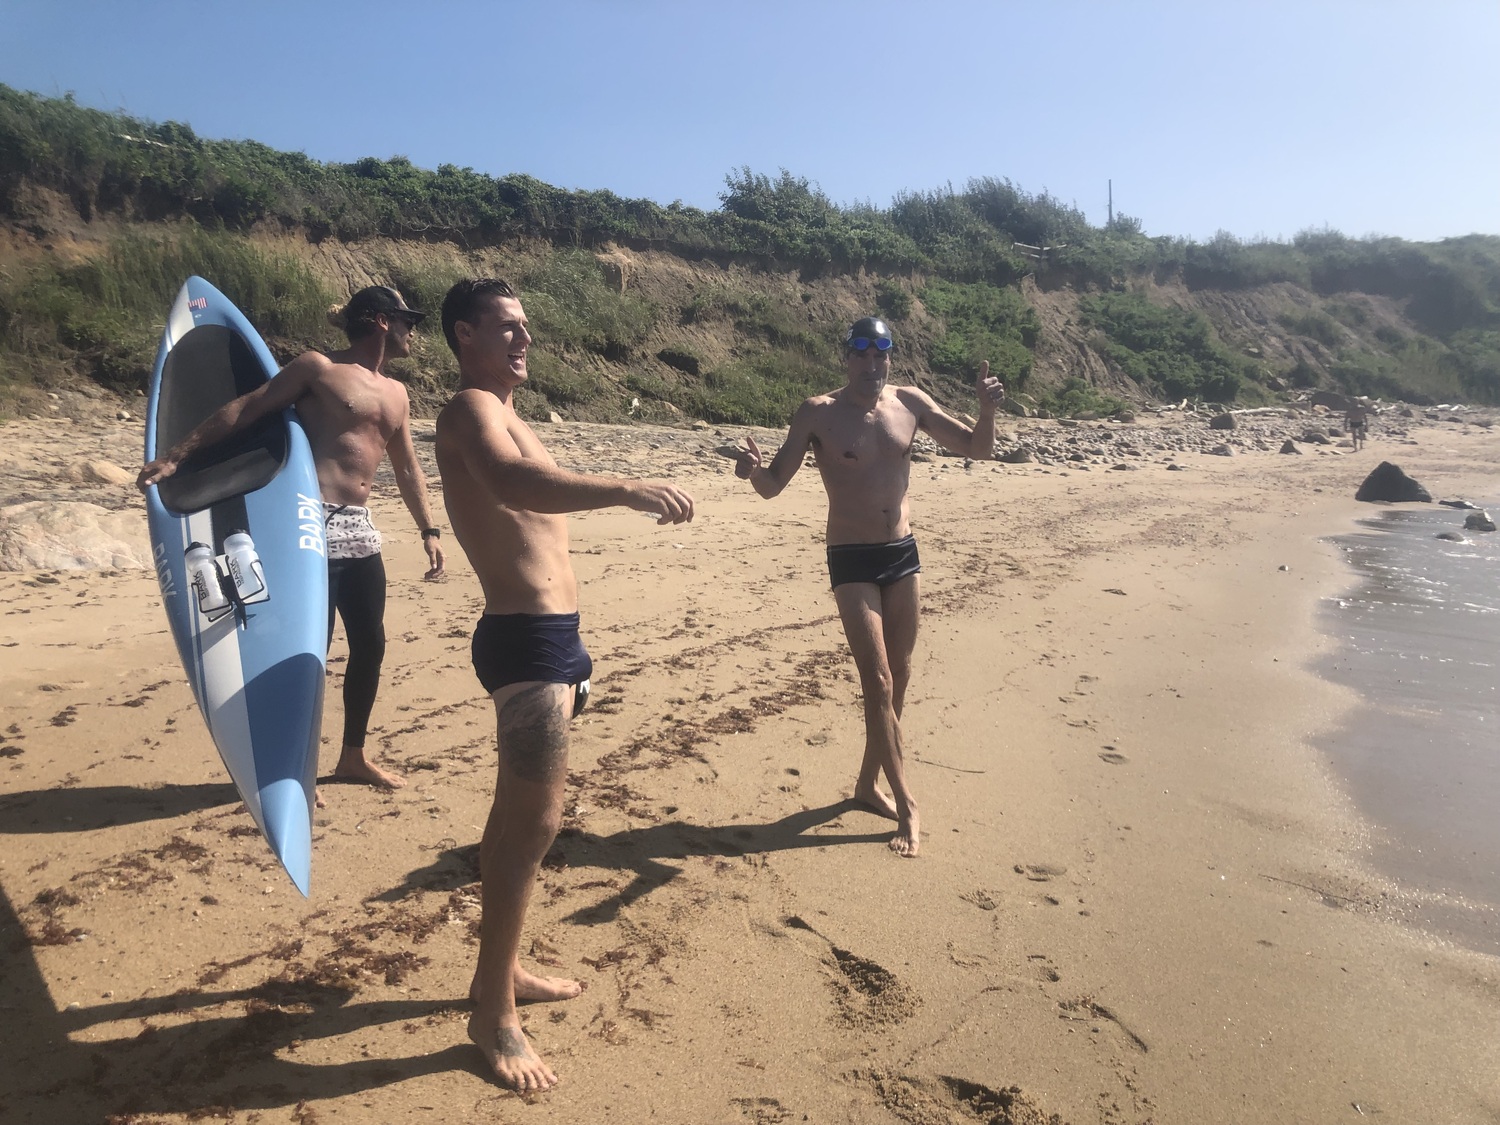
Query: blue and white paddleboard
{"x": 250, "y": 619}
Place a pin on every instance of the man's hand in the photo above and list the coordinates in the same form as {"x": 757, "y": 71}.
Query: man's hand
{"x": 749, "y": 459}
{"x": 434, "y": 556}
{"x": 991, "y": 390}
{"x": 155, "y": 472}
{"x": 662, "y": 499}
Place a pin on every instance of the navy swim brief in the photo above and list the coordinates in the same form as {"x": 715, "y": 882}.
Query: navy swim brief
{"x": 515, "y": 648}
{"x": 880, "y": 563}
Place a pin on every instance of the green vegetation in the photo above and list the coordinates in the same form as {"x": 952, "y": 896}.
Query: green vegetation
{"x": 1174, "y": 353}
{"x": 105, "y": 315}
{"x": 981, "y": 321}
{"x": 1077, "y": 398}
{"x": 1314, "y": 325}
{"x": 961, "y": 251}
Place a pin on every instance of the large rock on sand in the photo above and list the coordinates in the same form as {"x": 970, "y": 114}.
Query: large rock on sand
{"x": 98, "y": 472}
{"x": 1388, "y": 483}
{"x": 71, "y": 535}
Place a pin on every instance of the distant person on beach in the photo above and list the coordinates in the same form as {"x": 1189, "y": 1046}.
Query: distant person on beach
{"x": 1357, "y": 422}
{"x": 861, "y": 435}
{"x": 354, "y": 415}
{"x": 507, "y": 501}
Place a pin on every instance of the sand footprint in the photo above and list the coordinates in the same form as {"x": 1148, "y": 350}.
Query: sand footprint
{"x": 1040, "y": 872}
{"x": 1112, "y": 756}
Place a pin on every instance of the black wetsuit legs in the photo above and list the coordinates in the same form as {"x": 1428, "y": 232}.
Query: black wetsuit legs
{"x": 356, "y": 589}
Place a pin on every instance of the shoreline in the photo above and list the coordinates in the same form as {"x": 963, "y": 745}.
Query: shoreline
{"x": 1143, "y": 895}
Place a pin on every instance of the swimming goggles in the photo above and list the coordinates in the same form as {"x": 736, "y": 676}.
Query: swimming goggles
{"x": 864, "y": 343}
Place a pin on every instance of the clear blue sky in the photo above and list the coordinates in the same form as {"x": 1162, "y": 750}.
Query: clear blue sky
{"x": 1261, "y": 117}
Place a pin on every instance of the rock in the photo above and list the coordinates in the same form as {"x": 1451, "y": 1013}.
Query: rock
{"x": 122, "y": 415}
{"x": 1176, "y": 468}
{"x": 1223, "y": 422}
{"x": 1222, "y": 451}
{"x": 1017, "y": 456}
{"x": 554, "y": 417}
{"x": 1463, "y": 504}
{"x": 99, "y": 472}
{"x": 1314, "y": 437}
{"x": 70, "y": 535}
{"x": 1451, "y": 537}
{"x": 1479, "y": 521}
{"x": 1289, "y": 446}
{"x": 1387, "y": 483}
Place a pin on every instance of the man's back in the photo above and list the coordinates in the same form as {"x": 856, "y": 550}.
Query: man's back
{"x": 521, "y": 556}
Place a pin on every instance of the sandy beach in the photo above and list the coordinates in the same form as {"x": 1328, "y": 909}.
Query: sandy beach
{"x": 1143, "y": 895}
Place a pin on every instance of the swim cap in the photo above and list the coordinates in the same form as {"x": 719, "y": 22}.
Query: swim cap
{"x": 870, "y": 329}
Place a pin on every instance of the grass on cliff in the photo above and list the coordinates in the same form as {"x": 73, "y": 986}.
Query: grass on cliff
{"x": 103, "y": 318}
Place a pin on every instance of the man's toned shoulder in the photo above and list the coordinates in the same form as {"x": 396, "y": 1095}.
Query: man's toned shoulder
{"x": 914, "y": 399}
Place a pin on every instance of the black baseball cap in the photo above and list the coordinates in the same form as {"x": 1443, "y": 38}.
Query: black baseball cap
{"x": 379, "y": 300}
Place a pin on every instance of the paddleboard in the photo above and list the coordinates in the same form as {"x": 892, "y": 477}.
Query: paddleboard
{"x": 237, "y": 535}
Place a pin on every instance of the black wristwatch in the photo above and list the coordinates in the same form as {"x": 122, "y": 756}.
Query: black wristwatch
{"x": 431, "y": 533}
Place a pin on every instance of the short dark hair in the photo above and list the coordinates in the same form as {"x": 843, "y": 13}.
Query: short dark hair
{"x": 463, "y": 300}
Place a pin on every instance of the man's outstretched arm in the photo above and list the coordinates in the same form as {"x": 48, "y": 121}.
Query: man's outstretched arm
{"x": 769, "y": 480}
{"x": 492, "y": 458}
{"x": 953, "y": 435}
{"x": 276, "y": 394}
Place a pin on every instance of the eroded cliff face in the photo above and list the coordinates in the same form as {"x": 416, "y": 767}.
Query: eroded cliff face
{"x": 695, "y": 324}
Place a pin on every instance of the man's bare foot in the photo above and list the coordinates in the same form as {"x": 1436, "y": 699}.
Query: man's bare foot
{"x": 318, "y": 798}
{"x": 877, "y": 802}
{"x": 354, "y": 766}
{"x": 510, "y": 1056}
{"x": 532, "y": 989}
{"x": 907, "y": 839}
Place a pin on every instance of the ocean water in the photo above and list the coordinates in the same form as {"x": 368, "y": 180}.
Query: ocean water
{"x": 1420, "y": 641}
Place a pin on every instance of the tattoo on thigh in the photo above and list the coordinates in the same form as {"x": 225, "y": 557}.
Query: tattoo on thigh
{"x": 534, "y": 733}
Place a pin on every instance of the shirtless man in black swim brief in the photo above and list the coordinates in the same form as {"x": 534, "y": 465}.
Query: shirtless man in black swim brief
{"x": 861, "y": 435}
{"x": 507, "y": 501}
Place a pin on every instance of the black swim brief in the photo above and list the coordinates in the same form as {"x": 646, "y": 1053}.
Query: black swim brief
{"x": 516, "y": 648}
{"x": 880, "y": 563}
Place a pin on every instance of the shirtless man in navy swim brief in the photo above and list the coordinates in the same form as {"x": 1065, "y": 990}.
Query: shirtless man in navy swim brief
{"x": 861, "y": 435}
{"x": 507, "y": 501}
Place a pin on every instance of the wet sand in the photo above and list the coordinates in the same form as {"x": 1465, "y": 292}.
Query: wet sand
{"x": 1143, "y": 895}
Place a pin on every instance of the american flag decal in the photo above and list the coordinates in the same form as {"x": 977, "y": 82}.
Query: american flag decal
{"x": 198, "y": 303}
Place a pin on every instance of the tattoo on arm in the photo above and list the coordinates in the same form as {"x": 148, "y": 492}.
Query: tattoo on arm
{"x": 534, "y": 733}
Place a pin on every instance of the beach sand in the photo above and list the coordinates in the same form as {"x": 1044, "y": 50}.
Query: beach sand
{"x": 1142, "y": 895}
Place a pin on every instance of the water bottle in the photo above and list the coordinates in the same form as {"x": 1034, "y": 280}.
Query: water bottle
{"x": 245, "y": 571}
{"x": 203, "y": 576}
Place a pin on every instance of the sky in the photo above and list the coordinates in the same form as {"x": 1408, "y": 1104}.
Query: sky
{"x": 1259, "y": 117}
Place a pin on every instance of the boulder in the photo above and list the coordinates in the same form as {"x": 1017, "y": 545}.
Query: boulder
{"x": 1223, "y": 422}
{"x": 99, "y": 472}
{"x": 1289, "y": 446}
{"x": 1479, "y": 521}
{"x": 71, "y": 535}
{"x": 1017, "y": 456}
{"x": 1387, "y": 483}
{"x": 1314, "y": 437}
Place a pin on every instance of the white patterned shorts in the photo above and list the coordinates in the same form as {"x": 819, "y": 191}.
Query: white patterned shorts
{"x": 351, "y": 535}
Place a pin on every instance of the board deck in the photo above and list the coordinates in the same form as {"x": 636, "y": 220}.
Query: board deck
{"x": 256, "y": 668}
